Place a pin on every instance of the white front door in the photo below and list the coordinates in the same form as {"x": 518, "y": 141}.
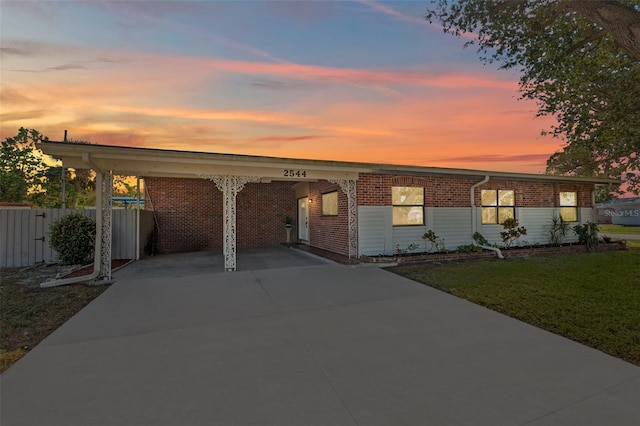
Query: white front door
{"x": 303, "y": 219}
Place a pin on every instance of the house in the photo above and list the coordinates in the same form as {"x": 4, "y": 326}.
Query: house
{"x": 620, "y": 211}
{"x": 222, "y": 201}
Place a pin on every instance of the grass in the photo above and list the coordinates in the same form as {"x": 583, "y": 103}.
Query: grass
{"x": 619, "y": 229}
{"x": 613, "y": 230}
{"x": 592, "y": 298}
{"x": 30, "y": 313}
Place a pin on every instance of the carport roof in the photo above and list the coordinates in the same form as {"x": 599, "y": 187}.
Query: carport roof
{"x": 191, "y": 164}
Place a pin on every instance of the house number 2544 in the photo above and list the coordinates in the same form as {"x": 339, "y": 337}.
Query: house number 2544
{"x": 295, "y": 173}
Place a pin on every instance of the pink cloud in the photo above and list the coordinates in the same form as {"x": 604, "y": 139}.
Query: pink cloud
{"x": 398, "y": 116}
{"x": 360, "y": 76}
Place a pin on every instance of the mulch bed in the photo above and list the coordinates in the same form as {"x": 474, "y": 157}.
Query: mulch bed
{"x": 87, "y": 270}
{"x": 511, "y": 253}
{"x": 340, "y": 258}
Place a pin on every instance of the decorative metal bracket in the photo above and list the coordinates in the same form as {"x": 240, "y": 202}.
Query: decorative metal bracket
{"x": 348, "y": 186}
{"x": 230, "y": 186}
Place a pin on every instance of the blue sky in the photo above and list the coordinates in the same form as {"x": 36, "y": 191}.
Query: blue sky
{"x": 347, "y": 80}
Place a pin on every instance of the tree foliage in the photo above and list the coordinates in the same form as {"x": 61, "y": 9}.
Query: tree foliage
{"x": 25, "y": 175}
{"x": 20, "y": 166}
{"x": 579, "y": 60}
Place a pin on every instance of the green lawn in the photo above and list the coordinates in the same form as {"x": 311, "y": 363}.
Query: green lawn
{"x": 592, "y": 298}
{"x": 619, "y": 229}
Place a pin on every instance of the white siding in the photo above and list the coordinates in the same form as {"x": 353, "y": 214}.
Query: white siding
{"x": 587, "y": 214}
{"x": 453, "y": 224}
{"x": 374, "y": 230}
{"x": 404, "y": 236}
{"x": 537, "y": 221}
{"x": 377, "y": 235}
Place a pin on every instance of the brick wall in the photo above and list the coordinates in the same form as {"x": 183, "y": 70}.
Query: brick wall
{"x": 328, "y": 232}
{"x": 453, "y": 191}
{"x": 189, "y": 213}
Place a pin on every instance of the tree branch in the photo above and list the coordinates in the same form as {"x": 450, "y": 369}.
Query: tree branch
{"x": 593, "y": 37}
{"x": 619, "y": 20}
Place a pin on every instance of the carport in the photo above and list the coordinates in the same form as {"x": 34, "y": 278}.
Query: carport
{"x": 229, "y": 173}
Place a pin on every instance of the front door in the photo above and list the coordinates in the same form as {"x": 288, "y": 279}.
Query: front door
{"x": 303, "y": 219}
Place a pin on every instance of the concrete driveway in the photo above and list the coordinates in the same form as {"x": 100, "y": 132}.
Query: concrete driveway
{"x": 312, "y": 344}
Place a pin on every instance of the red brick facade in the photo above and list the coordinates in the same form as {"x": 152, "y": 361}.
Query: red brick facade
{"x": 453, "y": 191}
{"x": 189, "y": 214}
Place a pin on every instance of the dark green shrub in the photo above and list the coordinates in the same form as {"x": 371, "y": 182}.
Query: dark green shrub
{"x": 469, "y": 248}
{"x": 73, "y": 238}
{"x": 480, "y": 239}
{"x": 588, "y": 235}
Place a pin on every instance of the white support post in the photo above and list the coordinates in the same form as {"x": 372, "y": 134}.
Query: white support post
{"x": 106, "y": 212}
{"x": 348, "y": 186}
{"x": 230, "y": 186}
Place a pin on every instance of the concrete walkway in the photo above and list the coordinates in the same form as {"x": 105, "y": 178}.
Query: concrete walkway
{"x": 313, "y": 344}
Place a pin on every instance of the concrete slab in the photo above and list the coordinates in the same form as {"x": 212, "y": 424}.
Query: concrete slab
{"x": 212, "y": 261}
{"x": 317, "y": 344}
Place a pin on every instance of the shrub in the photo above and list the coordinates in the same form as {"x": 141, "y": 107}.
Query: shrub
{"x": 432, "y": 238}
{"x": 469, "y": 248}
{"x": 512, "y": 232}
{"x": 73, "y": 238}
{"x": 588, "y": 235}
{"x": 480, "y": 239}
{"x": 558, "y": 230}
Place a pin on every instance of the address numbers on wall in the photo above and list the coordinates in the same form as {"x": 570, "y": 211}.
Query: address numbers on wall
{"x": 294, "y": 173}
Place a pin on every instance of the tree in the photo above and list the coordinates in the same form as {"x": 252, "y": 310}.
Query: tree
{"x": 579, "y": 60}
{"x": 20, "y": 166}
{"x": 82, "y": 180}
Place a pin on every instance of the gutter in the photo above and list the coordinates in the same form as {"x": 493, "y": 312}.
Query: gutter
{"x": 97, "y": 258}
{"x": 474, "y": 219}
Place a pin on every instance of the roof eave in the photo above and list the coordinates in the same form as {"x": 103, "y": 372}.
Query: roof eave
{"x": 72, "y": 153}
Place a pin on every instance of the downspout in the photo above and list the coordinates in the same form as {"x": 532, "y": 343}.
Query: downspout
{"x": 137, "y": 217}
{"x": 594, "y": 210}
{"x": 474, "y": 220}
{"x": 97, "y": 258}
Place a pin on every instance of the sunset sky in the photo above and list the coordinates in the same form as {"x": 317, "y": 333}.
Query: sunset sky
{"x": 364, "y": 80}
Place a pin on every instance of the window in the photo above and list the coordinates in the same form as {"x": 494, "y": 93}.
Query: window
{"x": 498, "y": 205}
{"x": 330, "y": 204}
{"x": 569, "y": 206}
{"x": 408, "y": 205}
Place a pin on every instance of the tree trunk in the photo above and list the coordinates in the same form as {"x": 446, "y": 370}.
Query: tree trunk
{"x": 619, "y": 20}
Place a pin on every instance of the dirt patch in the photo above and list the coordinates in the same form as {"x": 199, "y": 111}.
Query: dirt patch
{"x": 31, "y": 313}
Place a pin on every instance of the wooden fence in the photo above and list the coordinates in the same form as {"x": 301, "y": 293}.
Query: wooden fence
{"x": 24, "y": 239}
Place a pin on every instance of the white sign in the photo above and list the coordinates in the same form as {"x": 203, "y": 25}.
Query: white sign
{"x": 622, "y": 212}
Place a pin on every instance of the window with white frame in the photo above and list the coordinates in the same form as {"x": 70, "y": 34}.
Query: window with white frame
{"x": 408, "y": 205}
{"x": 498, "y": 205}
{"x": 330, "y": 204}
{"x": 569, "y": 206}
